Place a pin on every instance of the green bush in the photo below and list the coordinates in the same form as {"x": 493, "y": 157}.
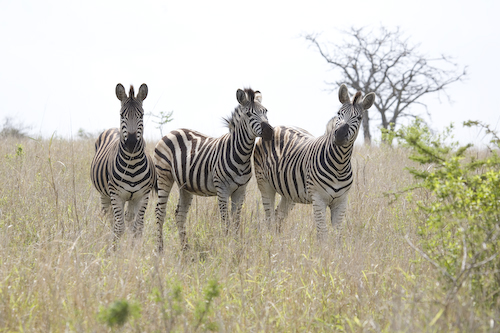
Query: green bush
{"x": 461, "y": 229}
{"x": 118, "y": 313}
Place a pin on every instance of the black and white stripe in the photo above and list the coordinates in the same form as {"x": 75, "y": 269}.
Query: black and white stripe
{"x": 305, "y": 169}
{"x": 121, "y": 170}
{"x": 207, "y": 166}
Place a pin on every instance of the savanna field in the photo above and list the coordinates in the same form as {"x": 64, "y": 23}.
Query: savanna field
{"x": 57, "y": 274}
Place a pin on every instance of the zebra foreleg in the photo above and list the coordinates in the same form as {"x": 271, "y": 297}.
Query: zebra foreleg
{"x": 119, "y": 224}
{"x": 129, "y": 215}
{"x": 237, "y": 199}
{"x": 268, "y": 199}
{"x": 337, "y": 209}
{"x": 319, "y": 208}
{"x": 105, "y": 209}
{"x": 138, "y": 209}
{"x": 185, "y": 199}
{"x": 222, "y": 200}
{"x": 282, "y": 211}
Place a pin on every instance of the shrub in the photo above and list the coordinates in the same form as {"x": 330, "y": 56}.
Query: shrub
{"x": 461, "y": 229}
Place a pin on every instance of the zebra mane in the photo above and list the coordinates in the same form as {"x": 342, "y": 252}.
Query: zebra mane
{"x": 231, "y": 121}
{"x": 356, "y": 97}
{"x": 235, "y": 117}
{"x": 131, "y": 93}
{"x": 251, "y": 94}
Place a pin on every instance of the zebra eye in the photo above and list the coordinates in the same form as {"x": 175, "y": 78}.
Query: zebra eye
{"x": 359, "y": 117}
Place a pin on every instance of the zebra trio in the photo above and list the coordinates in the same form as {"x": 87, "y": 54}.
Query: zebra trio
{"x": 287, "y": 160}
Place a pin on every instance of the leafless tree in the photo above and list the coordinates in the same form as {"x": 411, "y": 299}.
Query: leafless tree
{"x": 383, "y": 61}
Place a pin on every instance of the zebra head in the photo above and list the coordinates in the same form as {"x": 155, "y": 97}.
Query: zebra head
{"x": 131, "y": 117}
{"x": 256, "y": 114}
{"x": 345, "y": 125}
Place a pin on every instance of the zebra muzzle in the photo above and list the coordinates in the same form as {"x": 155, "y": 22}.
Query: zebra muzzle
{"x": 267, "y": 131}
{"x": 131, "y": 143}
{"x": 341, "y": 135}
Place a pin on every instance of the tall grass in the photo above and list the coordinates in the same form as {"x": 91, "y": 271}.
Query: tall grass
{"x": 57, "y": 274}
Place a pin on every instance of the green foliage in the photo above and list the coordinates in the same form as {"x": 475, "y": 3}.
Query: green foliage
{"x": 118, "y": 313}
{"x": 461, "y": 229}
{"x": 162, "y": 119}
{"x": 171, "y": 304}
{"x": 211, "y": 291}
{"x": 18, "y": 154}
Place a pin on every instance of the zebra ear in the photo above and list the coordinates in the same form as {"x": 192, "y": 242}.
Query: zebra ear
{"x": 258, "y": 96}
{"x": 143, "y": 92}
{"x": 120, "y": 92}
{"x": 344, "y": 94}
{"x": 368, "y": 101}
{"x": 241, "y": 96}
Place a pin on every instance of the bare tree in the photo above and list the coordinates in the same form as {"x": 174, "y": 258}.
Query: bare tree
{"x": 14, "y": 129}
{"x": 384, "y": 62}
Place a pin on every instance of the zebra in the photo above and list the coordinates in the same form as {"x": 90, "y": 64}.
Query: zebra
{"x": 207, "y": 166}
{"x": 304, "y": 169}
{"x": 121, "y": 170}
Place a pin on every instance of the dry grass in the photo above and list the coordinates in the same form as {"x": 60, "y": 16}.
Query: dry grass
{"x": 56, "y": 272}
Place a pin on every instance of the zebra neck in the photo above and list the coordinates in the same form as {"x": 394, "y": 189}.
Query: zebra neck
{"x": 242, "y": 143}
{"x": 341, "y": 156}
{"x": 138, "y": 154}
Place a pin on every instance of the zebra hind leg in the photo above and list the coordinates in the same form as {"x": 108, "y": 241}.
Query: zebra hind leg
{"x": 185, "y": 199}
{"x": 164, "y": 188}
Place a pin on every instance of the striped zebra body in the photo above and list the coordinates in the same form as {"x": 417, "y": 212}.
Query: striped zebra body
{"x": 309, "y": 170}
{"x": 207, "y": 166}
{"x": 121, "y": 171}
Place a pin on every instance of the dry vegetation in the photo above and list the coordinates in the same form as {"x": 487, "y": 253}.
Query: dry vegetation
{"x": 56, "y": 273}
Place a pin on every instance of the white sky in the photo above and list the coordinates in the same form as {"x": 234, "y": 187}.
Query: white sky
{"x": 61, "y": 60}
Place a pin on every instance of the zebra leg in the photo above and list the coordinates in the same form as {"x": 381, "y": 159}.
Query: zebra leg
{"x": 237, "y": 199}
{"x": 119, "y": 224}
{"x": 185, "y": 199}
{"x": 139, "y": 209}
{"x": 164, "y": 187}
{"x": 282, "y": 211}
{"x": 105, "y": 207}
{"x": 222, "y": 199}
{"x": 319, "y": 208}
{"x": 268, "y": 198}
{"x": 337, "y": 209}
{"x": 129, "y": 214}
